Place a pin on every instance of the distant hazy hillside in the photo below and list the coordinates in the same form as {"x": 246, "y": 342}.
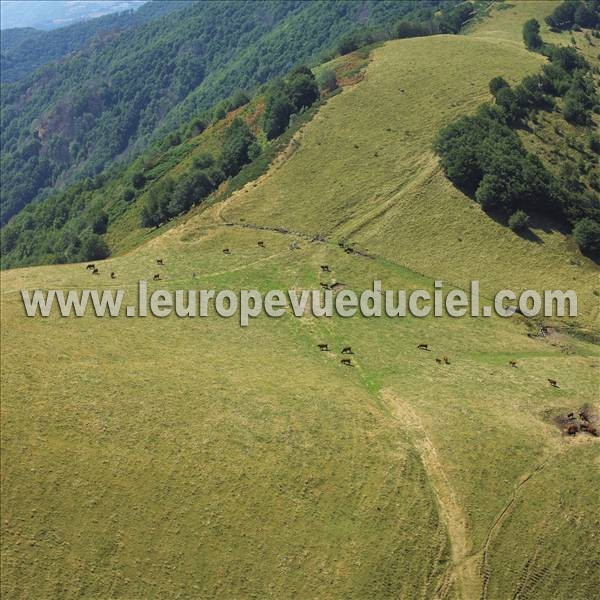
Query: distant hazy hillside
{"x": 24, "y": 49}
{"x": 50, "y": 15}
{"x": 73, "y": 118}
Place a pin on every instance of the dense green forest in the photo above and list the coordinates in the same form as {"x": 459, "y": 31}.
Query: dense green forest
{"x": 24, "y": 49}
{"x": 484, "y": 156}
{"x": 73, "y": 118}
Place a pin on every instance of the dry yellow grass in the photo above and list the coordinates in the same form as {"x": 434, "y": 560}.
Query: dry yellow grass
{"x": 154, "y": 458}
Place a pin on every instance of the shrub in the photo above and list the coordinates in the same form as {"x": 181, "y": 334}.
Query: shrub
{"x": 138, "y": 180}
{"x": 93, "y": 247}
{"x": 203, "y": 161}
{"x": 594, "y": 142}
{"x": 409, "y": 29}
{"x": 518, "y": 221}
{"x": 587, "y": 236}
{"x": 99, "y": 222}
{"x": 531, "y": 34}
{"x": 237, "y": 140}
{"x": 197, "y": 126}
{"x": 327, "y": 80}
{"x": 301, "y": 88}
{"x": 278, "y": 109}
{"x": 574, "y": 111}
{"x": 496, "y": 84}
{"x": 128, "y": 194}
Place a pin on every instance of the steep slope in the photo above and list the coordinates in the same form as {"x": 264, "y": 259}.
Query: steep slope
{"x": 75, "y": 117}
{"x": 148, "y": 458}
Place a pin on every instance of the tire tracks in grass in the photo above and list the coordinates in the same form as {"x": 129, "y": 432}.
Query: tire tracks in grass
{"x": 462, "y": 571}
{"x": 499, "y": 521}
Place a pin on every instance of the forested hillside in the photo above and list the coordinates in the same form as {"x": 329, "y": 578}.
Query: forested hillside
{"x": 24, "y": 49}
{"x": 185, "y": 166}
{"x": 73, "y": 118}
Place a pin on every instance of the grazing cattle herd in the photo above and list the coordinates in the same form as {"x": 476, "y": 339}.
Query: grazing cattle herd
{"x": 571, "y": 428}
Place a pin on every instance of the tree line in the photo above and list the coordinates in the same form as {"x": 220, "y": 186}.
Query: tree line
{"x": 284, "y": 97}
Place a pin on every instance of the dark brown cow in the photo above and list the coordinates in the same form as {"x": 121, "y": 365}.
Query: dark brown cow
{"x": 325, "y": 269}
{"x": 512, "y": 363}
{"x": 446, "y": 360}
{"x": 323, "y": 347}
{"x": 439, "y": 361}
{"x": 347, "y": 350}
{"x": 91, "y": 266}
{"x": 159, "y": 261}
{"x": 423, "y": 347}
{"x": 95, "y": 271}
{"x": 553, "y": 382}
{"x": 156, "y": 277}
{"x": 113, "y": 275}
{"x": 261, "y": 244}
{"x": 226, "y": 251}
{"x": 346, "y": 361}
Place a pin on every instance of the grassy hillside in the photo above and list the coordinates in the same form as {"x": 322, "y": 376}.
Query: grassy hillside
{"x": 365, "y": 172}
{"x": 151, "y": 458}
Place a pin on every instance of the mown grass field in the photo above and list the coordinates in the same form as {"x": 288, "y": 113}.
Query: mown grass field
{"x": 191, "y": 458}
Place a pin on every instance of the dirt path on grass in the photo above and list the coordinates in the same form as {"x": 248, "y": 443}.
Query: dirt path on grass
{"x": 462, "y": 574}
